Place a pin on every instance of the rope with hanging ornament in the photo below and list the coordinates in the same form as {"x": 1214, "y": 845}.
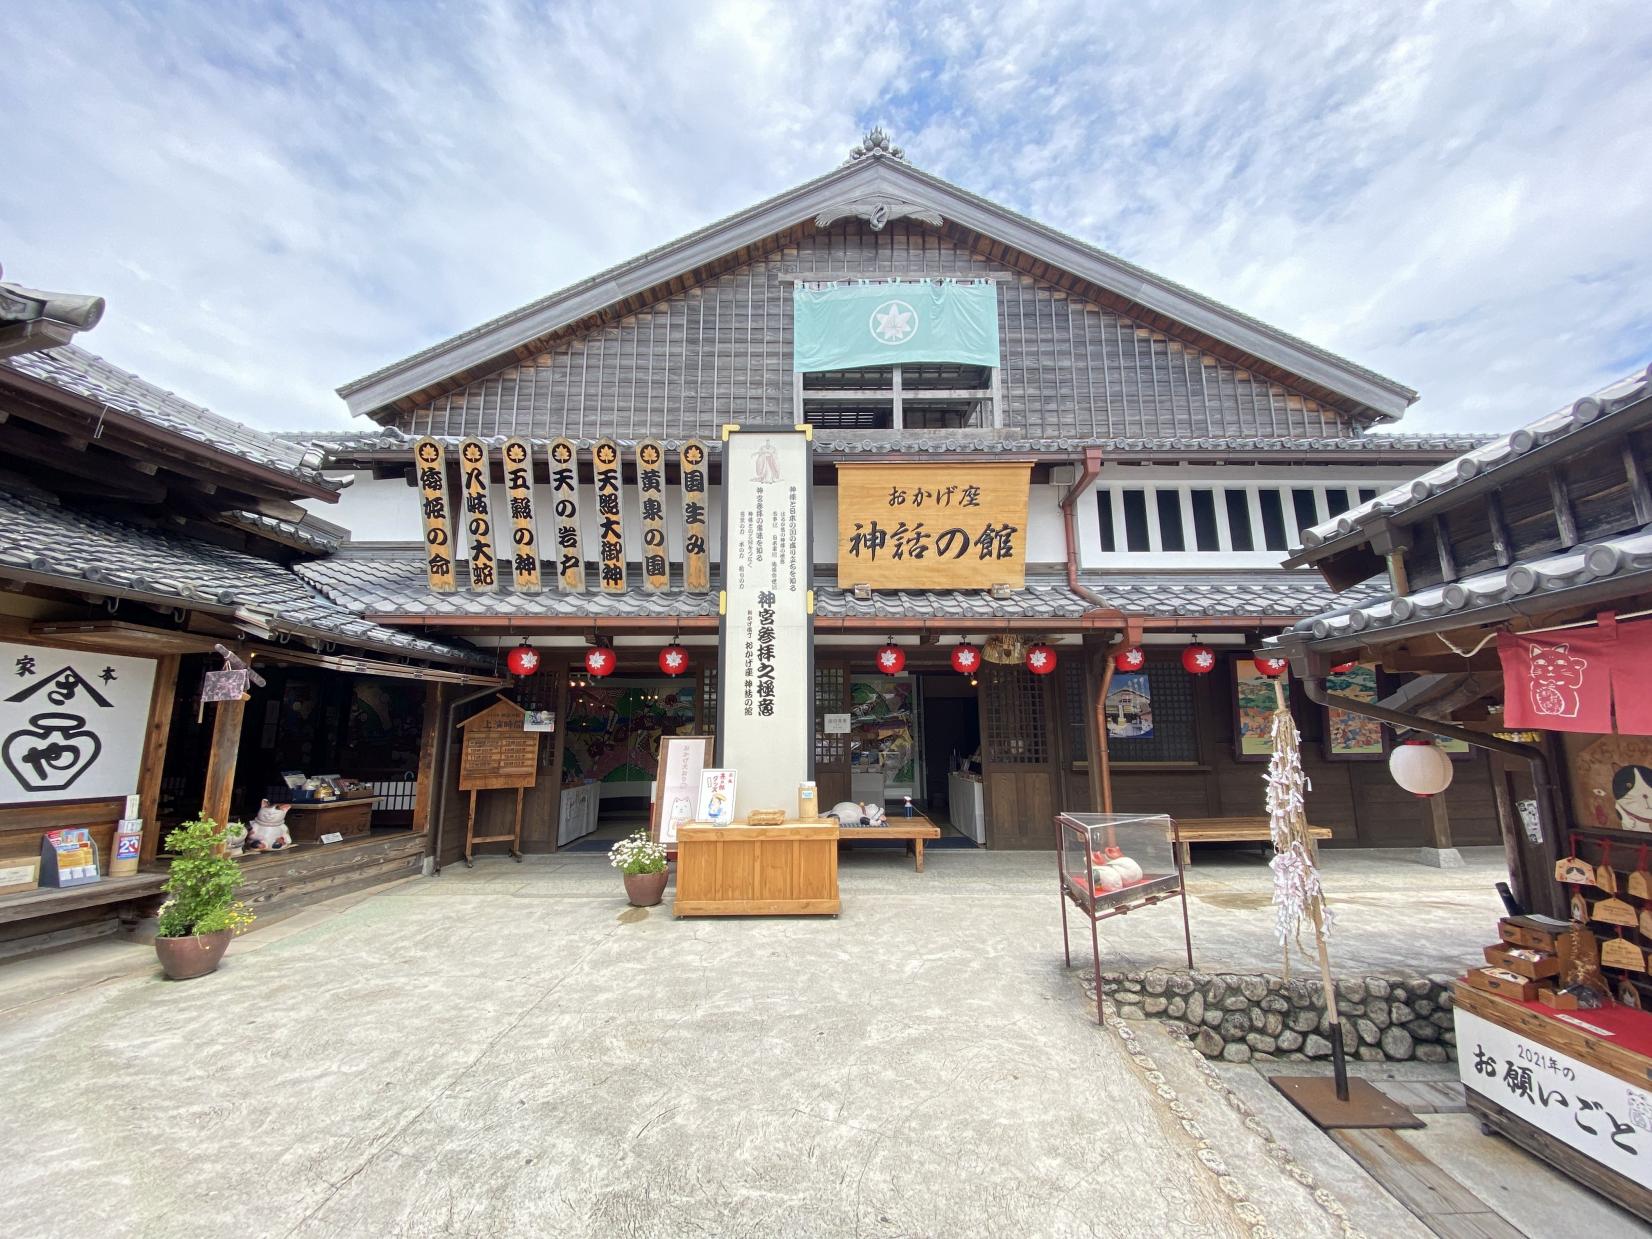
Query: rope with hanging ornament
{"x": 1298, "y": 895}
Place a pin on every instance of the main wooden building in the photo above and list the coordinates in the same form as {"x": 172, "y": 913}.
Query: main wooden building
{"x": 1170, "y": 449}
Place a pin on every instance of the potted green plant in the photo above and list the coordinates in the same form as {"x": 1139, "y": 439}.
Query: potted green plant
{"x": 201, "y": 913}
{"x": 642, "y": 861}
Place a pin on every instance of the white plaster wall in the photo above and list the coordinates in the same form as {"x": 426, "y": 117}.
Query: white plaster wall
{"x": 374, "y": 511}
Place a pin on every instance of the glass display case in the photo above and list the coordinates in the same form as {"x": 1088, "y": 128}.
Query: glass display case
{"x": 1114, "y": 863}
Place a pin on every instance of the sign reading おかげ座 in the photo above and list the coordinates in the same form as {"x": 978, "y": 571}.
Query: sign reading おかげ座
{"x": 951, "y": 526}
{"x": 71, "y": 723}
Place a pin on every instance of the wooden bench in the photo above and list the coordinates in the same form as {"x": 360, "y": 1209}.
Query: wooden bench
{"x": 132, "y": 897}
{"x": 912, "y": 829}
{"x": 1191, "y": 830}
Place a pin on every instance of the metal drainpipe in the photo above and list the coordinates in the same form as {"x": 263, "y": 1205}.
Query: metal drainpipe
{"x": 1091, "y": 466}
{"x": 444, "y": 746}
{"x": 1542, "y": 780}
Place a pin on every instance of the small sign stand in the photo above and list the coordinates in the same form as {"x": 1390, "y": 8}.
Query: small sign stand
{"x": 497, "y": 753}
{"x": 68, "y": 857}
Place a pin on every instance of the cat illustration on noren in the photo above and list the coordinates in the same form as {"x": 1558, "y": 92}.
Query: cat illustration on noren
{"x": 1557, "y": 675}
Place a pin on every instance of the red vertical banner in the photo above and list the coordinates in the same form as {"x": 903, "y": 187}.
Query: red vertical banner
{"x": 1632, "y": 678}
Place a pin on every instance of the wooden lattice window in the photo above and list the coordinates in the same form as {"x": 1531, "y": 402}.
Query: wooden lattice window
{"x": 830, "y": 751}
{"x": 1015, "y": 733}
{"x": 708, "y": 700}
{"x": 1175, "y": 734}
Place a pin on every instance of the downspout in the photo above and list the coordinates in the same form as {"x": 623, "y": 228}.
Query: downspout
{"x": 444, "y": 749}
{"x": 1542, "y": 777}
{"x": 1090, "y": 470}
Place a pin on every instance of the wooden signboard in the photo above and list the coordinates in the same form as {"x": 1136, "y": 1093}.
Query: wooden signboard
{"x": 570, "y": 556}
{"x": 430, "y": 464}
{"x": 524, "y": 531}
{"x": 696, "y": 544}
{"x": 932, "y": 526}
{"x": 497, "y": 752}
{"x": 473, "y": 470}
{"x": 656, "y": 560}
{"x": 605, "y": 457}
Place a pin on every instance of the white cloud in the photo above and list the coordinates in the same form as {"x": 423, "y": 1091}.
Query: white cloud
{"x": 1454, "y": 195}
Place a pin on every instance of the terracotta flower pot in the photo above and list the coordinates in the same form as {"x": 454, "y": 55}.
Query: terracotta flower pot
{"x": 646, "y": 889}
{"x": 195, "y": 956}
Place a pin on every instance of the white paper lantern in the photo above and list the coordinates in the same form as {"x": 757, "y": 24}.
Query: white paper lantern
{"x": 1420, "y": 767}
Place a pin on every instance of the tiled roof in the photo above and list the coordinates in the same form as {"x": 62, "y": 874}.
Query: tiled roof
{"x": 1485, "y": 457}
{"x": 74, "y": 370}
{"x": 322, "y": 537}
{"x": 1284, "y": 595}
{"x": 1609, "y": 565}
{"x": 340, "y": 445}
{"x": 391, "y": 582}
{"x": 48, "y": 540}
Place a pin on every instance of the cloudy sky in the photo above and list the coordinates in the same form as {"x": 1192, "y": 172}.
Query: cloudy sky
{"x": 278, "y": 198}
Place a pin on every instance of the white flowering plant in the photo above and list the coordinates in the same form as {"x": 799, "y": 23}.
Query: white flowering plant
{"x": 637, "y": 853}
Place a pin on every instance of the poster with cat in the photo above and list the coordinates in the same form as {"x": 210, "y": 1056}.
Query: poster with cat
{"x": 1560, "y": 681}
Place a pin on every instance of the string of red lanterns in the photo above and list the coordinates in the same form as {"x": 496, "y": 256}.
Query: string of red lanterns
{"x": 523, "y": 660}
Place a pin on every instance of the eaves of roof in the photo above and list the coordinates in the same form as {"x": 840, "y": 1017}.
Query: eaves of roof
{"x": 110, "y": 393}
{"x": 1613, "y": 409}
{"x": 493, "y": 340}
{"x": 1596, "y": 574}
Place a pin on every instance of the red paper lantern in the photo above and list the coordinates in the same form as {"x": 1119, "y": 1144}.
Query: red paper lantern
{"x": 523, "y": 660}
{"x": 891, "y": 659}
{"x": 1131, "y": 659}
{"x": 1343, "y": 668}
{"x": 673, "y": 659}
{"x": 1040, "y": 659}
{"x": 1273, "y": 668}
{"x": 966, "y": 658}
{"x": 1198, "y": 660}
{"x": 599, "y": 661}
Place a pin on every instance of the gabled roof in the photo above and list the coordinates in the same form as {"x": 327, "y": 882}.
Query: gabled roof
{"x": 878, "y": 176}
{"x": 31, "y": 319}
{"x": 87, "y": 377}
{"x": 1550, "y": 434}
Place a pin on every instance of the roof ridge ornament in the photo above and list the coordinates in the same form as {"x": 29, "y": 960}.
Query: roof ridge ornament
{"x": 878, "y": 211}
{"x": 876, "y": 141}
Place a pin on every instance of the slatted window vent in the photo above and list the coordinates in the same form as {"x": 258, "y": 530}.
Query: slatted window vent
{"x": 1217, "y": 519}
{"x": 396, "y": 795}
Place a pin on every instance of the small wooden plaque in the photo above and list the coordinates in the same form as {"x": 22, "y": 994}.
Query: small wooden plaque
{"x": 765, "y": 817}
{"x": 1622, "y": 953}
{"x": 1614, "y": 912}
{"x": 1606, "y": 879}
{"x": 1571, "y": 869}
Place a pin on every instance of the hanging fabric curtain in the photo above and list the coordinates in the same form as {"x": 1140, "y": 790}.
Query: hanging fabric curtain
{"x": 1571, "y": 679}
{"x": 845, "y": 326}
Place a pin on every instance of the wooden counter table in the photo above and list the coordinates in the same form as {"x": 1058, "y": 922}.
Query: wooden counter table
{"x": 784, "y": 870}
{"x": 308, "y": 820}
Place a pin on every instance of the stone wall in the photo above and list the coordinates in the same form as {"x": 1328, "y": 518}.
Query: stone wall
{"x": 1383, "y": 1019}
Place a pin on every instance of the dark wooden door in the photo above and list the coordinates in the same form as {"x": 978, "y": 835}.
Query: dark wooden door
{"x": 1018, "y": 757}
{"x": 831, "y": 752}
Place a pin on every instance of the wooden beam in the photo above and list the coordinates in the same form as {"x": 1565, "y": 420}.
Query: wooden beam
{"x": 1564, "y": 518}
{"x": 1502, "y": 544}
{"x": 153, "y": 763}
{"x": 220, "y": 771}
{"x": 1438, "y": 821}
{"x": 1637, "y": 484}
{"x": 897, "y": 391}
{"x": 1442, "y": 547}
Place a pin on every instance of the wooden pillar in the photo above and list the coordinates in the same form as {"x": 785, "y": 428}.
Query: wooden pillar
{"x": 153, "y": 763}
{"x": 220, "y": 771}
{"x": 435, "y": 698}
{"x": 559, "y": 740}
{"x": 1439, "y": 821}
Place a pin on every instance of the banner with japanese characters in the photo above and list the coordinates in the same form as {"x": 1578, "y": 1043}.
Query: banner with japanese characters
{"x": 478, "y": 518}
{"x": 691, "y": 457}
{"x": 656, "y": 559}
{"x": 72, "y": 723}
{"x": 606, "y": 469}
{"x": 524, "y": 529}
{"x": 1607, "y": 1119}
{"x": 430, "y": 465}
{"x": 570, "y": 557}
{"x": 765, "y": 701}
{"x": 929, "y": 526}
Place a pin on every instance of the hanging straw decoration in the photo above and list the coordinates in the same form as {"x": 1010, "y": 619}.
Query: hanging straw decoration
{"x": 1297, "y": 894}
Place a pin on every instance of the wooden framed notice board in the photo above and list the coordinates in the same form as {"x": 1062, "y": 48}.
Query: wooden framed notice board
{"x": 498, "y": 752}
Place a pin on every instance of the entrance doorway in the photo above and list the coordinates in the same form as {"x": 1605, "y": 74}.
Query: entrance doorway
{"x": 951, "y": 749}
{"x": 610, "y": 754}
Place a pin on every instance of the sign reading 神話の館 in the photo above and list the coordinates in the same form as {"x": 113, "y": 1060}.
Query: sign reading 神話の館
{"x": 766, "y": 699}
{"x": 925, "y": 526}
